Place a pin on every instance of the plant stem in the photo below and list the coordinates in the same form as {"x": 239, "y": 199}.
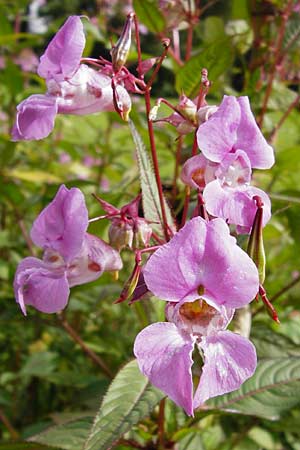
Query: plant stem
{"x": 277, "y": 57}
{"x": 161, "y": 424}
{"x": 283, "y": 118}
{"x": 6, "y": 422}
{"x": 176, "y": 168}
{"x": 155, "y": 165}
{"x": 186, "y": 205}
{"x": 90, "y": 353}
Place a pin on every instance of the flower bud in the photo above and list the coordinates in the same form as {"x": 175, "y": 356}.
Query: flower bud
{"x": 120, "y": 51}
{"x": 255, "y": 247}
{"x": 120, "y": 234}
{"x": 142, "y": 233}
{"x": 188, "y": 109}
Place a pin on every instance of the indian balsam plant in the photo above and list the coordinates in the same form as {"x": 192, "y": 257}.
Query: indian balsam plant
{"x": 187, "y": 267}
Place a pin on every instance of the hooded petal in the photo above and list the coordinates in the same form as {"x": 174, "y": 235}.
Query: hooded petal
{"x": 165, "y": 356}
{"x": 251, "y": 140}
{"x": 230, "y": 360}
{"x": 235, "y": 205}
{"x": 35, "y": 118}
{"x": 62, "y": 56}
{"x": 95, "y": 257}
{"x": 62, "y": 224}
{"x": 201, "y": 255}
{"x": 37, "y": 285}
{"x": 218, "y": 134}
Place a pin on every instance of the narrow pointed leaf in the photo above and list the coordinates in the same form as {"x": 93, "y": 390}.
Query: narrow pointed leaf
{"x": 273, "y": 390}
{"x": 129, "y": 399}
{"x": 150, "y": 196}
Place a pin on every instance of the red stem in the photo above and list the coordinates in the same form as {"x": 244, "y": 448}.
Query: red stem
{"x": 285, "y": 16}
{"x": 186, "y": 205}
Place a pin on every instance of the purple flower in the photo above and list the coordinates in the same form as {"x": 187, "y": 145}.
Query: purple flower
{"x": 72, "y": 88}
{"x": 232, "y": 128}
{"x": 71, "y": 256}
{"x": 203, "y": 257}
{"x": 164, "y": 353}
{"x": 204, "y": 276}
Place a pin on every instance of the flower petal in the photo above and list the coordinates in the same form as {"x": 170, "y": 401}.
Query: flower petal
{"x": 251, "y": 140}
{"x": 203, "y": 254}
{"x": 165, "y": 356}
{"x": 35, "y": 118}
{"x": 36, "y": 285}
{"x": 235, "y": 205}
{"x": 230, "y": 359}
{"x": 217, "y": 135}
{"x": 95, "y": 257}
{"x": 197, "y": 171}
{"x": 173, "y": 271}
{"x": 62, "y": 56}
{"x": 62, "y": 224}
{"x": 229, "y": 275}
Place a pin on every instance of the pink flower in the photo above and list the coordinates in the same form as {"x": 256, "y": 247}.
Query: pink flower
{"x": 164, "y": 353}
{"x": 72, "y": 88}
{"x": 232, "y": 128}
{"x": 204, "y": 276}
{"x": 71, "y": 256}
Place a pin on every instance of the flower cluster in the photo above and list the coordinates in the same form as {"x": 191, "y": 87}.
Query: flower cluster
{"x": 201, "y": 273}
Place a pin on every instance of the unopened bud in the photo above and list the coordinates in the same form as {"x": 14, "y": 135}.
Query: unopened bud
{"x": 255, "y": 247}
{"x": 120, "y": 51}
{"x": 142, "y": 233}
{"x": 188, "y": 109}
{"x": 120, "y": 234}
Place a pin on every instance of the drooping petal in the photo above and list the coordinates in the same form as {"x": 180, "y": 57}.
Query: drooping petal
{"x": 230, "y": 359}
{"x": 251, "y": 140}
{"x": 95, "y": 257}
{"x": 62, "y": 56}
{"x": 165, "y": 356}
{"x": 173, "y": 272}
{"x": 228, "y": 274}
{"x": 236, "y": 206}
{"x": 35, "y": 118}
{"x": 218, "y": 134}
{"x": 37, "y": 285}
{"x": 62, "y": 224}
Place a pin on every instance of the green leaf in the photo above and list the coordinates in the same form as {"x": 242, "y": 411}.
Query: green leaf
{"x": 150, "y": 196}
{"x": 216, "y": 58}
{"x": 273, "y": 389}
{"x": 149, "y": 14}
{"x": 69, "y": 436}
{"x": 129, "y": 399}
{"x": 22, "y": 446}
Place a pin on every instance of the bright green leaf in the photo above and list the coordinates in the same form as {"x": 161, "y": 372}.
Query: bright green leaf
{"x": 149, "y": 14}
{"x": 216, "y": 58}
{"x": 129, "y": 399}
{"x": 273, "y": 389}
